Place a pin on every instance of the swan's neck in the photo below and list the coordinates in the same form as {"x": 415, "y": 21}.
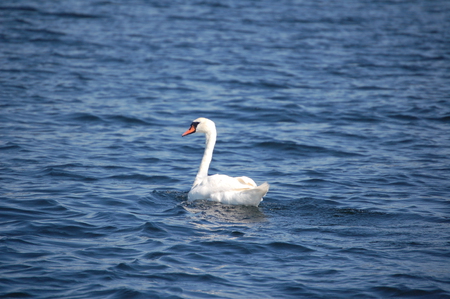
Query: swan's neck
{"x": 207, "y": 156}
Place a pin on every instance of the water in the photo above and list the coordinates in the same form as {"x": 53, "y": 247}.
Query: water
{"x": 344, "y": 108}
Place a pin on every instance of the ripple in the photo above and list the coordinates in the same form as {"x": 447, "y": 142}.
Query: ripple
{"x": 86, "y": 117}
{"x": 127, "y": 120}
{"x": 10, "y": 146}
{"x": 283, "y": 246}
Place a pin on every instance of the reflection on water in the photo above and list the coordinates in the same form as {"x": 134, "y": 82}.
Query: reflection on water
{"x": 214, "y": 211}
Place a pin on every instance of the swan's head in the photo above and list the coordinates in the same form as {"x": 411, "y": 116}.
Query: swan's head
{"x": 201, "y": 125}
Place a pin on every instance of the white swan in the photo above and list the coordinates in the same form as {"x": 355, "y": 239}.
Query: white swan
{"x": 221, "y": 188}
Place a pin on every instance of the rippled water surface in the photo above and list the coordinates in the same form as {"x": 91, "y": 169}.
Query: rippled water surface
{"x": 342, "y": 106}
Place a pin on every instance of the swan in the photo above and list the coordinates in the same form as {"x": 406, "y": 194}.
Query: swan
{"x": 221, "y": 188}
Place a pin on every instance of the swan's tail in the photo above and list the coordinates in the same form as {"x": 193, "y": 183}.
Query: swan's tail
{"x": 253, "y": 197}
{"x": 264, "y": 187}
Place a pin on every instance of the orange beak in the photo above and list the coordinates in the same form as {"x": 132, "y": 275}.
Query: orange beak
{"x": 190, "y": 131}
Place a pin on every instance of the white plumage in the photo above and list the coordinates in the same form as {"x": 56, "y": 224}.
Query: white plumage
{"x": 221, "y": 188}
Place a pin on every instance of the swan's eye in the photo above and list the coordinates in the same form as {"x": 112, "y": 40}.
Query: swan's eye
{"x": 195, "y": 124}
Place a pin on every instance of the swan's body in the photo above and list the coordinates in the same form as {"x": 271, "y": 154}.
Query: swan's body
{"x": 221, "y": 188}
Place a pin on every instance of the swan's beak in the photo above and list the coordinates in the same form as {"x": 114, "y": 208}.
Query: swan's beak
{"x": 191, "y": 130}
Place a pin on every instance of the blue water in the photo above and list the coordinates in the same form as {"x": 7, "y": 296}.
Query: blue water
{"x": 342, "y": 106}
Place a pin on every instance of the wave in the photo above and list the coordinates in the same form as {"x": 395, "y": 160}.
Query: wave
{"x": 129, "y": 120}
{"x": 290, "y": 147}
{"x": 75, "y": 15}
{"x": 142, "y": 177}
{"x": 31, "y": 9}
{"x": 85, "y": 117}
{"x": 10, "y": 146}
{"x": 58, "y": 171}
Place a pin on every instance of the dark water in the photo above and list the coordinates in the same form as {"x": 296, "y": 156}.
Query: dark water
{"x": 344, "y": 108}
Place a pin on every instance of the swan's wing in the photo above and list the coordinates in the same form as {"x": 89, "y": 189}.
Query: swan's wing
{"x": 229, "y": 190}
{"x": 246, "y": 181}
{"x": 221, "y": 183}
